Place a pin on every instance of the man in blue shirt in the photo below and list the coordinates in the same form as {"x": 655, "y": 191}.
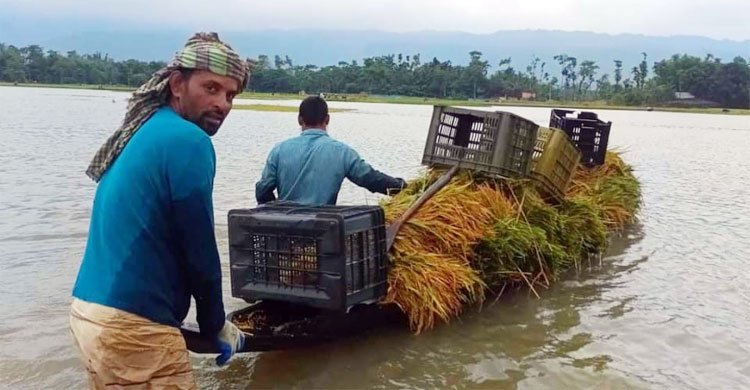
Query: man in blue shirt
{"x": 311, "y": 167}
{"x": 151, "y": 244}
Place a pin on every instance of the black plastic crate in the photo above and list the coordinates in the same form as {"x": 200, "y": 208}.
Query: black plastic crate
{"x": 587, "y": 131}
{"x": 330, "y": 257}
{"x": 498, "y": 143}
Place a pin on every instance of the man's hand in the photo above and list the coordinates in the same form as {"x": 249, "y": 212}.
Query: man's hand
{"x": 229, "y": 340}
{"x": 395, "y": 190}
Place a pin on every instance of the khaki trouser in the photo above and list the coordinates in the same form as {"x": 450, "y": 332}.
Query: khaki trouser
{"x": 122, "y": 350}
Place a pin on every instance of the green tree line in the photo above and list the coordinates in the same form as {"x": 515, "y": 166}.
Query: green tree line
{"x": 33, "y": 65}
{"x": 707, "y": 78}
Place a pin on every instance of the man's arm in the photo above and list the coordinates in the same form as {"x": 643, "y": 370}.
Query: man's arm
{"x": 191, "y": 182}
{"x": 364, "y": 175}
{"x": 268, "y": 181}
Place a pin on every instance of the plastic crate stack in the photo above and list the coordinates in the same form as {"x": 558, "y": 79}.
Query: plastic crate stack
{"x": 329, "y": 257}
{"x": 498, "y": 143}
{"x": 589, "y": 134}
{"x": 508, "y": 146}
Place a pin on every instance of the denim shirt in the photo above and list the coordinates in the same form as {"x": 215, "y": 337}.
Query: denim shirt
{"x": 311, "y": 167}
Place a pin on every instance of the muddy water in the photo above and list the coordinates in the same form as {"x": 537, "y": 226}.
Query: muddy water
{"x": 667, "y": 308}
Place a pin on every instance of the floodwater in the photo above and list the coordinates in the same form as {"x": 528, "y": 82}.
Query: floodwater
{"x": 668, "y": 307}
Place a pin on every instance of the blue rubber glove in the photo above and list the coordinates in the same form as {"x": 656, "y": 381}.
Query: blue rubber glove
{"x": 229, "y": 340}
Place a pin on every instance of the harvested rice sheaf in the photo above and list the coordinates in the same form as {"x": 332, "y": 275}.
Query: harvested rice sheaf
{"x": 478, "y": 234}
{"x": 431, "y": 275}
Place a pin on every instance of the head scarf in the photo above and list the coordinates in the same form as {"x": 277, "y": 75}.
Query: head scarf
{"x": 204, "y": 51}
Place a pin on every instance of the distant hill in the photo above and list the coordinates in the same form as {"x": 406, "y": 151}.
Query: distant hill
{"x": 321, "y": 47}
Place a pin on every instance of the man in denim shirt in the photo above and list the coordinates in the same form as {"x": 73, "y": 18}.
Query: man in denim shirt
{"x": 310, "y": 168}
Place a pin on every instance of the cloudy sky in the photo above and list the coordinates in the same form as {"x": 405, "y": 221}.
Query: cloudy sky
{"x": 723, "y": 19}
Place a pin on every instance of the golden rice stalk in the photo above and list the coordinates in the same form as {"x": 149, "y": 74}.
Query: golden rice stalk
{"x": 438, "y": 264}
{"x": 430, "y": 287}
{"x": 431, "y": 278}
{"x": 612, "y": 187}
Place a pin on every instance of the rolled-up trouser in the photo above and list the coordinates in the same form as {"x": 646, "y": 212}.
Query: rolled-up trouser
{"x": 123, "y": 350}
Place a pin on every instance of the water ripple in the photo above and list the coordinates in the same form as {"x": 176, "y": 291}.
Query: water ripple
{"x": 667, "y": 308}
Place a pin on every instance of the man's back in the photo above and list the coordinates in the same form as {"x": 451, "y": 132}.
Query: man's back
{"x": 311, "y": 167}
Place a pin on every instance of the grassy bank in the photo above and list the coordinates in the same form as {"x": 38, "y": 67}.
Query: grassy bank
{"x": 602, "y": 105}
{"x": 118, "y": 88}
{"x": 479, "y": 236}
{"x": 278, "y": 108}
{"x": 356, "y": 98}
{"x": 368, "y": 99}
{"x": 593, "y": 105}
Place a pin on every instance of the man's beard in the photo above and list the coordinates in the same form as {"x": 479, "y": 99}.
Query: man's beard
{"x": 208, "y": 121}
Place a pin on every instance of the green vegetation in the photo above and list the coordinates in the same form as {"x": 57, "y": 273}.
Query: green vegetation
{"x": 406, "y": 79}
{"x": 277, "y": 108}
{"x": 417, "y": 100}
{"x": 122, "y": 88}
{"x": 708, "y": 79}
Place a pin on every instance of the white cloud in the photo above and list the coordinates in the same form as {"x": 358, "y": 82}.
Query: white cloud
{"x": 717, "y": 18}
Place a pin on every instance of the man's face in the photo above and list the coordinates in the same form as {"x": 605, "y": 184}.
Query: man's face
{"x": 204, "y": 98}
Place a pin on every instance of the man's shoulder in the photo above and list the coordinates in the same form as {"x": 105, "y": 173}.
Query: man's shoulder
{"x": 335, "y": 143}
{"x": 341, "y": 145}
{"x": 303, "y": 141}
{"x": 170, "y": 127}
{"x": 174, "y": 138}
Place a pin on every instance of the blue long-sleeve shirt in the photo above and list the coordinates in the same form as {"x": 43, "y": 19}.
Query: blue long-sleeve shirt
{"x": 151, "y": 241}
{"x": 311, "y": 167}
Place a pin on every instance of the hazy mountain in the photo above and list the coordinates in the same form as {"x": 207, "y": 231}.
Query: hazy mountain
{"x": 325, "y": 47}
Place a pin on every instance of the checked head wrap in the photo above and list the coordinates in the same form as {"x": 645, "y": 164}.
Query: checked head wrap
{"x": 204, "y": 51}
